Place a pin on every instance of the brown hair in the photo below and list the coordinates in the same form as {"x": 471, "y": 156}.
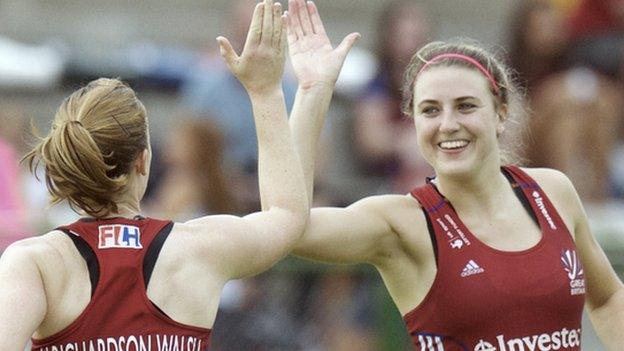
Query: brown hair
{"x": 96, "y": 135}
{"x": 206, "y": 143}
{"x": 506, "y": 92}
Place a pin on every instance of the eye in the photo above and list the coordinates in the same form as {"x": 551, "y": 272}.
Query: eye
{"x": 466, "y": 106}
{"x": 429, "y": 110}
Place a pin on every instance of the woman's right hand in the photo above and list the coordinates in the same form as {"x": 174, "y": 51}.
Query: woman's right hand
{"x": 261, "y": 64}
{"x": 314, "y": 59}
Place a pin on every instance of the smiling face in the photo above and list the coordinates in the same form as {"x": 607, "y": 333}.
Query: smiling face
{"x": 456, "y": 120}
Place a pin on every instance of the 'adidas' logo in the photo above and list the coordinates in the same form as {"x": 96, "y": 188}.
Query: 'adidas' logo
{"x": 471, "y": 268}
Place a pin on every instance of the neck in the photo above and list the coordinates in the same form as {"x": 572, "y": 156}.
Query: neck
{"x": 126, "y": 210}
{"x": 483, "y": 190}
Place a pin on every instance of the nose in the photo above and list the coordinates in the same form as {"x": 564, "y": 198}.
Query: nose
{"x": 449, "y": 122}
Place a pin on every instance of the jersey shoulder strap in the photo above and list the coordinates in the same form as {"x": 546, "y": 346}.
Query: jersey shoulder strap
{"x": 430, "y": 201}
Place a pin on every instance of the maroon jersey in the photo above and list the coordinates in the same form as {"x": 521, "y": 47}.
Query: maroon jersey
{"x": 121, "y": 254}
{"x": 484, "y": 299}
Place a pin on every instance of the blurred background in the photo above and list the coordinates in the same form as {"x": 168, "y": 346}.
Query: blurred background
{"x": 568, "y": 54}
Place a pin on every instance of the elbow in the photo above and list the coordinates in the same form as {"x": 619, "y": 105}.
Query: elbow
{"x": 294, "y": 219}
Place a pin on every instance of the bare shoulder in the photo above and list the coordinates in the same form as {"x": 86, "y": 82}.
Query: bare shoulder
{"x": 555, "y": 183}
{"x": 52, "y": 253}
{"x": 44, "y": 247}
{"x": 387, "y": 204}
{"x": 404, "y": 215}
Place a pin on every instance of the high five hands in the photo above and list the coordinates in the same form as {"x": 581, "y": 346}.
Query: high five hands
{"x": 314, "y": 59}
{"x": 260, "y": 66}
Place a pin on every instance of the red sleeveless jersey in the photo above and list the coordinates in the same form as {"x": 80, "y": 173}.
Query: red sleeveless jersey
{"x": 120, "y": 255}
{"x": 484, "y": 299}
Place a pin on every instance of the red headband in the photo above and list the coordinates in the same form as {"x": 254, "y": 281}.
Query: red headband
{"x": 469, "y": 59}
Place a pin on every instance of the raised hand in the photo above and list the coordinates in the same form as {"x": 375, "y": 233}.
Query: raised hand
{"x": 261, "y": 64}
{"x": 314, "y": 59}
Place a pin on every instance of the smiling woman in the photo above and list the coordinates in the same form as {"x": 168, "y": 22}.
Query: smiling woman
{"x": 485, "y": 255}
{"x": 502, "y": 93}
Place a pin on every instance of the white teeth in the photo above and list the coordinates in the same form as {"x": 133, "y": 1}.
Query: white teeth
{"x": 453, "y": 144}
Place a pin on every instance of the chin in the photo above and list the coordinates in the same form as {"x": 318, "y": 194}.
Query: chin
{"x": 456, "y": 168}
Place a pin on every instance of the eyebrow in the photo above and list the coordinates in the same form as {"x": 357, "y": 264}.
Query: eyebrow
{"x": 459, "y": 99}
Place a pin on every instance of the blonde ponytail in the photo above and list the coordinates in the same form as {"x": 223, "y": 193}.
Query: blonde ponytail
{"x": 97, "y": 134}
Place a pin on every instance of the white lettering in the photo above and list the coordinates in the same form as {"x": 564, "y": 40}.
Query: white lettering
{"x": 543, "y": 342}
{"x": 151, "y": 342}
{"x": 531, "y": 342}
{"x": 540, "y": 204}
{"x": 564, "y": 338}
{"x": 556, "y": 340}
{"x": 501, "y": 342}
{"x": 512, "y": 343}
{"x": 574, "y": 339}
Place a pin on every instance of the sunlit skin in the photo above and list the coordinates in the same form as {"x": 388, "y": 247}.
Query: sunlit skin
{"x": 457, "y": 121}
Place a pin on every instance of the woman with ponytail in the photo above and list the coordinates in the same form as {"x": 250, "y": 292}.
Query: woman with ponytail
{"x": 116, "y": 280}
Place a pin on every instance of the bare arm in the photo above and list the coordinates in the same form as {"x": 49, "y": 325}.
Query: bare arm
{"x": 342, "y": 235}
{"x": 605, "y": 292}
{"x": 317, "y": 66}
{"x": 22, "y": 297}
{"x": 356, "y": 234}
{"x": 244, "y": 246}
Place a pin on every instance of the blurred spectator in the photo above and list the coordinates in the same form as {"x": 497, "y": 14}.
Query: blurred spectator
{"x": 341, "y": 307}
{"x": 576, "y": 107}
{"x": 210, "y": 89}
{"x": 195, "y": 181}
{"x": 12, "y": 210}
{"x": 384, "y": 138}
{"x": 597, "y": 29}
{"x": 575, "y": 128}
{"x": 14, "y": 223}
{"x": 597, "y": 17}
{"x": 538, "y": 40}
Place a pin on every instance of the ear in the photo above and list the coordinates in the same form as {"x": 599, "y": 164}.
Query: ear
{"x": 140, "y": 165}
{"x": 501, "y": 113}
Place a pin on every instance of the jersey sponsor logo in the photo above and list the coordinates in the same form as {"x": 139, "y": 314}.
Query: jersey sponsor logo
{"x": 455, "y": 236}
{"x": 132, "y": 343}
{"x": 119, "y": 236}
{"x": 424, "y": 341}
{"x": 471, "y": 268}
{"x": 572, "y": 265}
{"x": 564, "y": 339}
{"x": 539, "y": 201}
{"x": 430, "y": 343}
{"x": 484, "y": 346}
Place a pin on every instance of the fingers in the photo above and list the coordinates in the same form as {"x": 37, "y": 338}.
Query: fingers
{"x": 315, "y": 18}
{"x": 295, "y": 23}
{"x": 267, "y": 23}
{"x": 290, "y": 31}
{"x": 283, "y": 40}
{"x": 255, "y": 28}
{"x": 347, "y": 43}
{"x": 278, "y": 26}
{"x": 304, "y": 17}
{"x": 227, "y": 52}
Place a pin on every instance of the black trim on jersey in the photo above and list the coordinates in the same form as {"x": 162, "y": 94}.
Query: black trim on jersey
{"x": 521, "y": 196}
{"x": 153, "y": 251}
{"x": 434, "y": 239}
{"x": 149, "y": 261}
{"x": 89, "y": 256}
